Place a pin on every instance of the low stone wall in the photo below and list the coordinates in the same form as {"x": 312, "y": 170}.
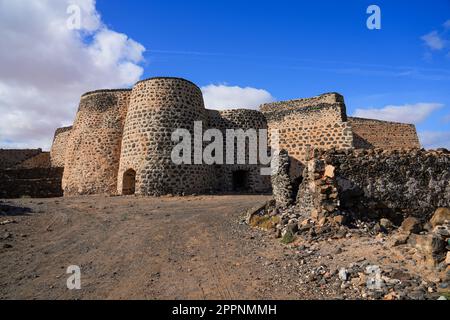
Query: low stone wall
{"x": 11, "y": 157}
{"x": 376, "y": 182}
{"x": 41, "y": 160}
{"x": 35, "y": 183}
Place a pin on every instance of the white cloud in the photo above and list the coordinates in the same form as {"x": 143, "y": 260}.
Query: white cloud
{"x": 221, "y": 97}
{"x": 408, "y": 113}
{"x": 435, "y": 139}
{"x": 447, "y": 24}
{"x": 433, "y": 41}
{"x": 45, "y": 66}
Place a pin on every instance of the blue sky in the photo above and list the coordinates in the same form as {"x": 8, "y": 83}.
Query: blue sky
{"x": 241, "y": 53}
{"x": 298, "y": 49}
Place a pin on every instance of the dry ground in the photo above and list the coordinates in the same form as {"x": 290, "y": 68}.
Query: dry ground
{"x": 160, "y": 248}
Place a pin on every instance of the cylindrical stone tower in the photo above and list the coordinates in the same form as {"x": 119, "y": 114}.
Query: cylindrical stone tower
{"x": 93, "y": 151}
{"x": 158, "y": 107}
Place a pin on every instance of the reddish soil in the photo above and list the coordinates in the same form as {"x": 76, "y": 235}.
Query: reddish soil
{"x": 160, "y": 248}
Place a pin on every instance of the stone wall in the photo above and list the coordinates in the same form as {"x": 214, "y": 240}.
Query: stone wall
{"x": 245, "y": 120}
{"x": 377, "y": 182}
{"x": 93, "y": 150}
{"x": 368, "y": 133}
{"x": 58, "y": 150}
{"x": 327, "y": 98}
{"x": 41, "y": 160}
{"x": 305, "y": 124}
{"x": 159, "y": 106}
{"x": 121, "y": 141}
{"x": 283, "y": 193}
{"x": 11, "y": 157}
{"x": 35, "y": 183}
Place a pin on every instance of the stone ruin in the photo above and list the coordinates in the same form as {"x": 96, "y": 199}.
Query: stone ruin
{"x": 120, "y": 144}
{"x": 335, "y": 172}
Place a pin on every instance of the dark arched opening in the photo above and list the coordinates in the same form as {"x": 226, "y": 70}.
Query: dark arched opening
{"x": 129, "y": 182}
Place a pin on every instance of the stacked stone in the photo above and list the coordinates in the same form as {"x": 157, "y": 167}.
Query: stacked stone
{"x": 379, "y": 182}
{"x": 93, "y": 150}
{"x": 158, "y": 107}
{"x": 281, "y": 182}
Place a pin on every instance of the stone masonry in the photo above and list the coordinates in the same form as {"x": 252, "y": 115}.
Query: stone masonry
{"x": 369, "y": 134}
{"x": 376, "y": 183}
{"x": 121, "y": 142}
{"x": 58, "y": 151}
{"x": 93, "y": 149}
{"x": 28, "y": 173}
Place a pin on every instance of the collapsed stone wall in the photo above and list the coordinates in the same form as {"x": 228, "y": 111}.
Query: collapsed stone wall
{"x": 377, "y": 182}
{"x": 305, "y": 124}
{"x": 93, "y": 150}
{"x": 157, "y": 108}
{"x": 58, "y": 150}
{"x": 245, "y": 120}
{"x": 368, "y": 134}
{"x": 12, "y": 157}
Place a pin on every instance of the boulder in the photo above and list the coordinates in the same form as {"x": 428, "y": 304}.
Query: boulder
{"x": 440, "y": 216}
{"x": 386, "y": 224}
{"x": 411, "y": 225}
{"x": 292, "y": 228}
{"x": 340, "y": 220}
{"x": 254, "y": 211}
{"x": 343, "y": 274}
{"x": 443, "y": 231}
{"x": 431, "y": 245}
{"x": 399, "y": 238}
{"x": 329, "y": 171}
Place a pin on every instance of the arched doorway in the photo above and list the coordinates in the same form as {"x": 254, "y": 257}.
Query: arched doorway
{"x": 129, "y": 182}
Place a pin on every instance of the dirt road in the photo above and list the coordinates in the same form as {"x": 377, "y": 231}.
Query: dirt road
{"x": 181, "y": 248}
{"x": 136, "y": 248}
